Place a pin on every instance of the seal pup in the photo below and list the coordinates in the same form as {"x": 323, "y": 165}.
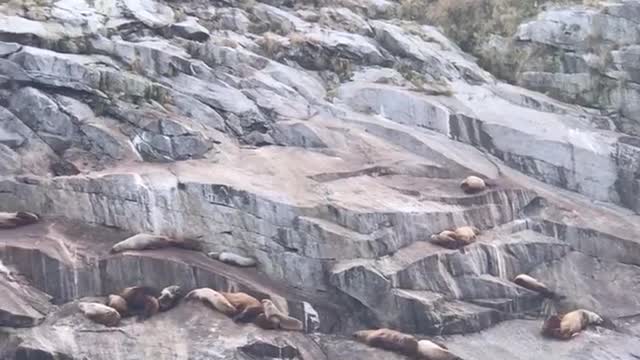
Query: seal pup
{"x": 11, "y": 220}
{"x": 169, "y": 297}
{"x": 144, "y": 241}
{"x": 283, "y": 321}
{"x": 141, "y": 300}
{"x": 473, "y": 185}
{"x": 214, "y": 299}
{"x": 118, "y": 303}
{"x": 533, "y": 284}
{"x": 248, "y": 307}
{"x": 233, "y": 259}
{"x": 431, "y": 350}
{"x": 566, "y": 326}
{"x": 388, "y": 339}
{"x": 100, "y": 313}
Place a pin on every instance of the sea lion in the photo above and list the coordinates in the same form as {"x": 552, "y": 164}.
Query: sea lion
{"x": 100, "y": 313}
{"x": 118, "y": 303}
{"x": 431, "y": 350}
{"x": 285, "y": 322}
{"x": 473, "y": 184}
{"x": 456, "y": 239}
{"x": 388, "y": 339}
{"x": 144, "y": 241}
{"x": 267, "y": 324}
{"x": 169, "y": 297}
{"x": 532, "y": 284}
{"x": 11, "y": 220}
{"x": 568, "y": 325}
{"x": 248, "y": 307}
{"x": 141, "y": 300}
{"x": 214, "y": 299}
{"x": 467, "y": 234}
{"x": 233, "y": 259}
{"x": 446, "y": 239}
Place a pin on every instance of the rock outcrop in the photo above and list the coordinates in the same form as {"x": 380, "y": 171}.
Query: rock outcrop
{"x": 327, "y": 142}
{"x": 583, "y": 55}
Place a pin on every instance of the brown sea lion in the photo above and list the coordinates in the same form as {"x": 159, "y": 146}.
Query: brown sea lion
{"x": 431, "y": 350}
{"x": 118, "y": 303}
{"x": 141, "y": 300}
{"x": 460, "y": 237}
{"x": 214, "y": 299}
{"x": 169, "y": 297}
{"x": 100, "y": 313}
{"x": 566, "y": 326}
{"x": 150, "y": 242}
{"x": 388, "y": 339}
{"x": 466, "y": 234}
{"x": 11, "y": 220}
{"x": 533, "y": 284}
{"x": 248, "y": 307}
{"x": 473, "y": 184}
{"x": 285, "y": 322}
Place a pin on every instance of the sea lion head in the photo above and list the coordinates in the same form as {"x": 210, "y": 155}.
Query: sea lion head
{"x": 27, "y": 217}
{"x": 593, "y": 318}
{"x": 214, "y": 255}
{"x": 169, "y": 296}
{"x": 361, "y": 335}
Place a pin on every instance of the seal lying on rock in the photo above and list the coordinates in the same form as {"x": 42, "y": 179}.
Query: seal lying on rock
{"x": 248, "y": 307}
{"x": 405, "y": 344}
{"x": 388, "y": 339}
{"x": 568, "y": 325}
{"x": 214, "y": 299}
{"x": 467, "y": 233}
{"x": 100, "y": 313}
{"x": 430, "y": 350}
{"x": 118, "y": 303}
{"x": 272, "y": 313}
{"x": 473, "y": 185}
{"x": 456, "y": 239}
{"x": 233, "y": 259}
{"x": 141, "y": 300}
{"x": 149, "y": 242}
{"x": 532, "y": 284}
{"x": 11, "y": 220}
{"x": 169, "y": 297}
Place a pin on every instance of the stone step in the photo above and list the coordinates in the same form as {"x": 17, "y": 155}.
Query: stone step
{"x": 324, "y": 239}
{"x": 431, "y": 313}
{"x": 479, "y": 278}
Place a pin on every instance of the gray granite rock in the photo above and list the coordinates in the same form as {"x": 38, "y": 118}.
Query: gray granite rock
{"x": 327, "y": 142}
{"x": 577, "y": 54}
{"x": 233, "y": 19}
{"x": 43, "y": 116}
{"x": 190, "y": 29}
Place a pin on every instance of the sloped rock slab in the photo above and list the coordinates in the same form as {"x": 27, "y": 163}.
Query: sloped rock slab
{"x": 21, "y": 305}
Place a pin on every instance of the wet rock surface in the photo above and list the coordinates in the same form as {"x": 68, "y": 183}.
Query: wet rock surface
{"x": 327, "y": 142}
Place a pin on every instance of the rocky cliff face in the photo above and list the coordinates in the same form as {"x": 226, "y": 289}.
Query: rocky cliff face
{"x": 326, "y": 140}
{"x": 584, "y": 55}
